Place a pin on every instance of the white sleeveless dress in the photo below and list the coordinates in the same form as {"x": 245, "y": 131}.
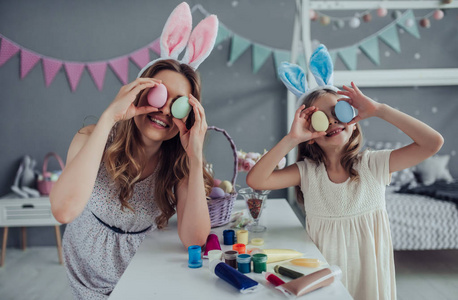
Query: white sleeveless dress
{"x": 349, "y": 224}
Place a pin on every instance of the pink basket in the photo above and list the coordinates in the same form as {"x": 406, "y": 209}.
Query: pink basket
{"x": 220, "y": 209}
{"x": 45, "y": 185}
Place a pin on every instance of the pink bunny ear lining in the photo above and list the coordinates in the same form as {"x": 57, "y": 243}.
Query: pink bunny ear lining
{"x": 201, "y": 41}
{"x": 176, "y": 31}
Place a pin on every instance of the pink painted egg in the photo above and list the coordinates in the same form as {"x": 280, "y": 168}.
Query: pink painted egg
{"x": 216, "y": 182}
{"x": 157, "y": 96}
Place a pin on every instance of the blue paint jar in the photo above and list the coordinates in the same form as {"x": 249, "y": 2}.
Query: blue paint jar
{"x": 229, "y": 237}
{"x": 244, "y": 263}
{"x": 195, "y": 258}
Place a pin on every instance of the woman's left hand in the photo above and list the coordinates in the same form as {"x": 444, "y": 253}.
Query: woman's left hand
{"x": 193, "y": 139}
{"x": 366, "y": 106}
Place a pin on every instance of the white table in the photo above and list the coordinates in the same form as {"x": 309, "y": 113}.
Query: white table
{"x": 27, "y": 212}
{"x": 159, "y": 269}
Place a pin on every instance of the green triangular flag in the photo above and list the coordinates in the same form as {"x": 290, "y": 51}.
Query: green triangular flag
{"x": 223, "y": 34}
{"x": 333, "y": 55}
{"x": 301, "y": 61}
{"x": 260, "y": 54}
{"x": 279, "y": 57}
{"x": 348, "y": 56}
{"x": 390, "y": 37}
{"x": 370, "y": 48}
{"x": 402, "y": 22}
{"x": 238, "y": 46}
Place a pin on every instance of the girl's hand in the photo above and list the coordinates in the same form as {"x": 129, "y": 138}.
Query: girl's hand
{"x": 193, "y": 139}
{"x": 301, "y": 128}
{"x": 366, "y": 106}
{"x": 122, "y": 107}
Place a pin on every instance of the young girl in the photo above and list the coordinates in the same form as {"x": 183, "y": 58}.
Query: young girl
{"x": 128, "y": 174}
{"x": 343, "y": 189}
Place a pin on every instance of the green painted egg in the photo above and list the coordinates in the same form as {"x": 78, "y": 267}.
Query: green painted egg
{"x": 181, "y": 107}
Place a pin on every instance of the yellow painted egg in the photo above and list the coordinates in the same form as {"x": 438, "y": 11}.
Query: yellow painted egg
{"x": 226, "y": 186}
{"x": 320, "y": 121}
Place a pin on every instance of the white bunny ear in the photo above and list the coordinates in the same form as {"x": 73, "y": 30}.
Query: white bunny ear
{"x": 176, "y": 31}
{"x": 201, "y": 42}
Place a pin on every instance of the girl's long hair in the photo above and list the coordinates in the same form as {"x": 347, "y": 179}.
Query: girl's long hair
{"x": 314, "y": 152}
{"x": 125, "y": 158}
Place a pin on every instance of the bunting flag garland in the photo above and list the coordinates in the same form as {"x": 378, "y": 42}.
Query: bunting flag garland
{"x": 260, "y": 54}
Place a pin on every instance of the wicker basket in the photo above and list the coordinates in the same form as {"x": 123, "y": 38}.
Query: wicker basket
{"x": 44, "y": 186}
{"x": 220, "y": 209}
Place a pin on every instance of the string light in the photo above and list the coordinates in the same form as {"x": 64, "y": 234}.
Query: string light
{"x": 355, "y": 20}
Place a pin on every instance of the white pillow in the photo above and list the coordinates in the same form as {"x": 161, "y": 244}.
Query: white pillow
{"x": 433, "y": 169}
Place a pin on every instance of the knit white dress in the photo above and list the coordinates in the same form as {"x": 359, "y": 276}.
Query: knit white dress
{"x": 349, "y": 224}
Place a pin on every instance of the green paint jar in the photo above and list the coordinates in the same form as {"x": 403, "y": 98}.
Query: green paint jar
{"x": 259, "y": 262}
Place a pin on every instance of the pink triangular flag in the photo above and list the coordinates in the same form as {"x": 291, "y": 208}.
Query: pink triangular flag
{"x": 50, "y": 69}
{"x": 74, "y": 72}
{"x": 97, "y": 71}
{"x": 28, "y": 61}
{"x": 156, "y": 46}
{"x": 140, "y": 57}
{"x": 7, "y": 50}
{"x": 121, "y": 67}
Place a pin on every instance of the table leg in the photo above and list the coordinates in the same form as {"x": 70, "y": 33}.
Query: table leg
{"x": 5, "y": 239}
{"x": 24, "y": 238}
{"x": 59, "y": 244}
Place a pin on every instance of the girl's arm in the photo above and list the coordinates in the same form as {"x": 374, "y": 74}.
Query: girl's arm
{"x": 73, "y": 189}
{"x": 263, "y": 175}
{"x": 426, "y": 141}
{"x": 192, "y": 209}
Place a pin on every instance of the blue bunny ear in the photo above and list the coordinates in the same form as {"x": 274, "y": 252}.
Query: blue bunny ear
{"x": 321, "y": 66}
{"x": 293, "y": 77}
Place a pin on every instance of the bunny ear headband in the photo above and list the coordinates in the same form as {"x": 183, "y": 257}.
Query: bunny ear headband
{"x": 294, "y": 77}
{"x": 177, "y": 35}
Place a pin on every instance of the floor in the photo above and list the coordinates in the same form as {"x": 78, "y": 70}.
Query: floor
{"x": 35, "y": 274}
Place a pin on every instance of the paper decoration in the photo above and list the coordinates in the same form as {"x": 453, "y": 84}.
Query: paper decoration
{"x": 370, "y": 48}
{"x": 238, "y": 46}
{"x": 260, "y": 53}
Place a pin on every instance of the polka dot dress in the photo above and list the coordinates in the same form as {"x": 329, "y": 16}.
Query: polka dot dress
{"x": 95, "y": 255}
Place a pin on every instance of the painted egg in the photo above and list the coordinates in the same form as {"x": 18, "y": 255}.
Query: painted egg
{"x": 216, "y": 182}
{"x": 226, "y": 186}
{"x": 157, "y": 96}
{"x": 320, "y": 121}
{"x": 181, "y": 107}
{"x": 344, "y": 111}
{"x": 217, "y": 193}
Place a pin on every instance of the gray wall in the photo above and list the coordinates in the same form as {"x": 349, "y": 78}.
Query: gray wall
{"x": 252, "y": 108}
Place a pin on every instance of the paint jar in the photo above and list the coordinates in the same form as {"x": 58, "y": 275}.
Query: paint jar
{"x": 244, "y": 263}
{"x": 240, "y": 248}
{"x": 229, "y": 236}
{"x": 195, "y": 259}
{"x": 214, "y": 255}
{"x": 230, "y": 258}
{"x": 242, "y": 237}
{"x": 211, "y": 244}
{"x": 259, "y": 262}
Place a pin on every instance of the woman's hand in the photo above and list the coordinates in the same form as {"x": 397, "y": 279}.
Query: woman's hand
{"x": 301, "y": 128}
{"x": 366, "y": 106}
{"x": 193, "y": 139}
{"x": 122, "y": 107}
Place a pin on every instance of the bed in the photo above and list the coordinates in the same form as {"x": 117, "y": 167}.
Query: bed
{"x": 422, "y": 205}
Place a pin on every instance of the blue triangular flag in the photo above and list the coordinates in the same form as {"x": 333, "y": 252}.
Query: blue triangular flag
{"x": 402, "y": 22}
{"x": 260, "y": 54}
{"x": 370, "y": 48}
{"x": 223, "y": 34}
{"x": 348, "y": 57}
{"x": 238, "y": 46}
{"x": 391, "y": 38}
{"x": 281, "y": 56}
